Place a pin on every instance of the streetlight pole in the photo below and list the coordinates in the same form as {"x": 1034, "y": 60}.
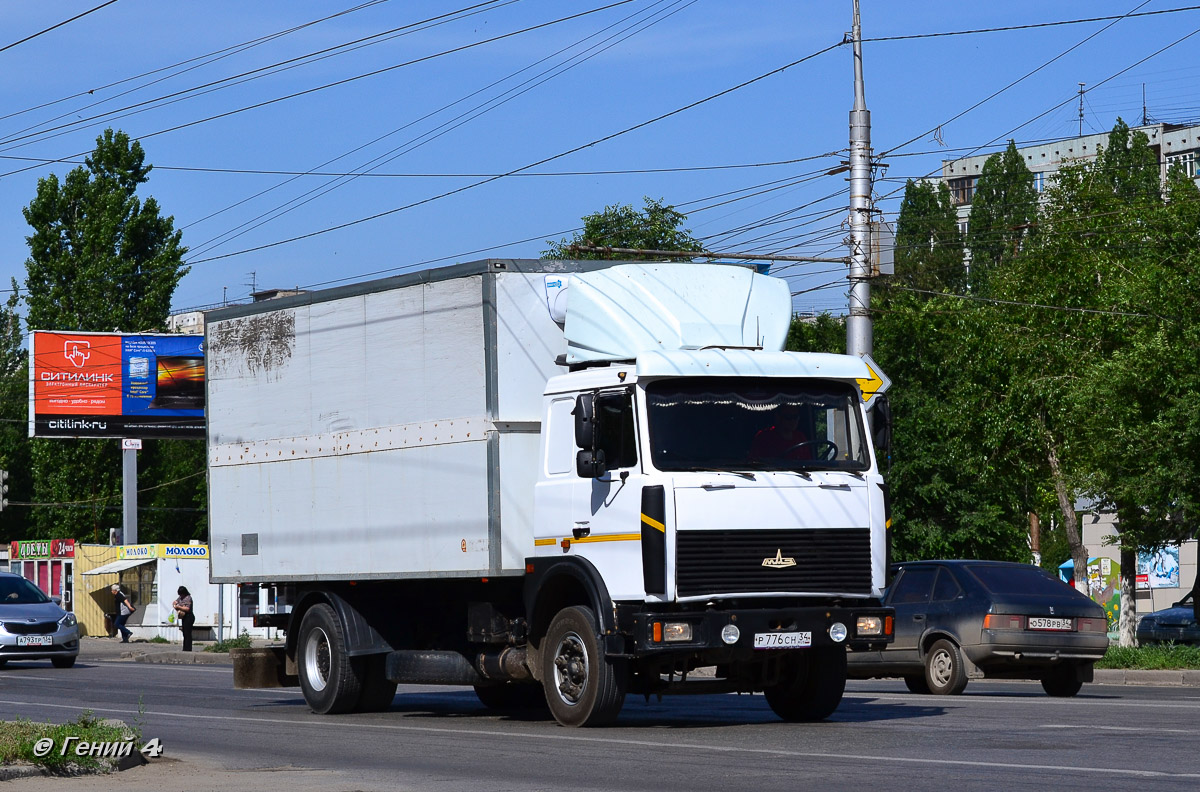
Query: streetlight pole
{"x": 859, "y": 335}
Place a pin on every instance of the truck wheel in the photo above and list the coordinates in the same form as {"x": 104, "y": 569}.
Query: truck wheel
{"x": 583, "y": 687}
{"x": 1061, "y": 681}
{"x": 812, "y": 685}
{"x": 944, "y": 671}
{"x": 511, "y": 697}
{"x": 377, "y": 690}
{"x": 331, "y": 679}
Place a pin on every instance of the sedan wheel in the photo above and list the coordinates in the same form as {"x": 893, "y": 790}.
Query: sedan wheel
{"x": 944, "y": 671}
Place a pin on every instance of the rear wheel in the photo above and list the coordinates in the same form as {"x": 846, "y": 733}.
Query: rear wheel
{"x": 916, "y": 683}
{"x": 1061, "y": 681}
{"x": 945, "y": 673}
{"x": 812, "y": 685}
{"x": 62, "y": 662}
{"x": 332, "y": 681}
{"x": 583, "y": 687}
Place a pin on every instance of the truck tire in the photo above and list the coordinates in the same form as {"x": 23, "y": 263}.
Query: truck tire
{"x": 812, "y": 685}
{"x": 331, "y": 680}
{"x": 945, "y": 673}
{"x": 511, "y": 697}
{"x": 583, "y": 687}
{"x": 377, "y": 690}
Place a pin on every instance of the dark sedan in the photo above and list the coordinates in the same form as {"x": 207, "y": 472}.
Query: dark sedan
{"x": 963, "y": 620}
{"x": 1176, "y": 624}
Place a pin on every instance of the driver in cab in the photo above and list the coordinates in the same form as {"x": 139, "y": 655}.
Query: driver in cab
{"x": 784, "y": 439}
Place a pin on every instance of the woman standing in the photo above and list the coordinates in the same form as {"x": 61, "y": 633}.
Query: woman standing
{"x": 185, "y": 617}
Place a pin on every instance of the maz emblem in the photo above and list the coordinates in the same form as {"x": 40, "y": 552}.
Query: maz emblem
{"x": 779, "y": 562}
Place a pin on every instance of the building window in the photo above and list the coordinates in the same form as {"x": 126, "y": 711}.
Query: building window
{"x": 962, "y": 191}
{"x": 1185, "y": 160}
{"x": 1039, "y": 182}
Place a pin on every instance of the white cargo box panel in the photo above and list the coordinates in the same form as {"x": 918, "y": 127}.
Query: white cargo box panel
{"x": 382, "y": 430}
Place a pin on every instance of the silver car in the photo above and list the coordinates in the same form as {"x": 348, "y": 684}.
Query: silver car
{"x": 33, "y": 626}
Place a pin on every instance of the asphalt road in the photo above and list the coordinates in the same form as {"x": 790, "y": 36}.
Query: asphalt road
{"x": 1002, "y": 735}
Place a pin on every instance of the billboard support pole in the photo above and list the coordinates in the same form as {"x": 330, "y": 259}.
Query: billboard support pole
{"x": 129, "y": 491}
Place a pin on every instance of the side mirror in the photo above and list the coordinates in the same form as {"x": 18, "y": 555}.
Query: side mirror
{"x": 585, "y": 421}
{"x": 881, "y": 424}
{"x": 591, "y": 464}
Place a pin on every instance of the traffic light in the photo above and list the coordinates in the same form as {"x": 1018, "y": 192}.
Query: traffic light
{"x": 3, "y": 489}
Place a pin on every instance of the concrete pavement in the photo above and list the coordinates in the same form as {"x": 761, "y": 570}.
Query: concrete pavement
{"x": 171, "y": 653}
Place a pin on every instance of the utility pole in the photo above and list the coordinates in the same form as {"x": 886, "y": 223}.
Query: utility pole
{"x": 1081, "y": 108}
{"x": 859, "y": 335}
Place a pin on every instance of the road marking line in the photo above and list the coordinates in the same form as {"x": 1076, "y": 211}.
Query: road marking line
{"x": 323, "y": 723}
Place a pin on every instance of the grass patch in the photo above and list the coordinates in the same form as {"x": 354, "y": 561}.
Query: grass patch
{"x": 240, "y": 642}
{"x": 158, "y": 639}
{"x": 1156, "y": 657}
{"x": 17, "y": 739}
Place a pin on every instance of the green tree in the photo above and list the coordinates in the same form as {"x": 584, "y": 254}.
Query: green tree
{"x": 101, "y": 259}
{"x": 820, "y": 333}
{"x": 1109, "y": 378}
{"x": 929, "y": 247}
{"x": 14, "y": 400}
{"x": 1002, "y": 213}
{"x": 656, "y": 227}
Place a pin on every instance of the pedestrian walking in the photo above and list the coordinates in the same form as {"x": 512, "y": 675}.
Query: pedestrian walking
{"x": 125, "y": 609}
{"x": 184, "y": 616}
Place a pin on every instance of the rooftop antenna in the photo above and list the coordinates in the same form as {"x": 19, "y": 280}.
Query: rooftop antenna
{"x": 1145, "y": 118}
{"x": 253, "y": 284}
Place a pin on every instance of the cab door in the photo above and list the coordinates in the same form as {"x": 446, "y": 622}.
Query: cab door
{"x": 606, "y": 510}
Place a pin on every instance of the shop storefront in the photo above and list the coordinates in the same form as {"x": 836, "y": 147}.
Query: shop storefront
{"x": 151, "y": 574}
{"x": 48, "y": 563}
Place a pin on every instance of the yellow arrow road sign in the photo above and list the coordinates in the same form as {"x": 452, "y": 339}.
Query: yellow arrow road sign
{"x": 874, "y": 385}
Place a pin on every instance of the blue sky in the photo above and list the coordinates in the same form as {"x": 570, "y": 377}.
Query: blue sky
{"x": 437, "y": 125}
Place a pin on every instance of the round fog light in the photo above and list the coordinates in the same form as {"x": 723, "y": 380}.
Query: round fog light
{"x": 730, "y": 633}
{"x": 837, "y": 631}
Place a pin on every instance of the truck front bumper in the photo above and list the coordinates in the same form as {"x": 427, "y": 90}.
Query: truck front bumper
{"x": 730, "y": 634}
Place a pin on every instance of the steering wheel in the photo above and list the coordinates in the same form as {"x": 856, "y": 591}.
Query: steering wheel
{"x": 823, "y": 450}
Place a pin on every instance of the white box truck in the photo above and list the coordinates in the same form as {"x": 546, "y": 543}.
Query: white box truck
{"x": 554, "y": 481}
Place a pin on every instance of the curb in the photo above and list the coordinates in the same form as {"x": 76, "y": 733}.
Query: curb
{"x": 179, "y": 658}
{"x": 1120, "y": 676}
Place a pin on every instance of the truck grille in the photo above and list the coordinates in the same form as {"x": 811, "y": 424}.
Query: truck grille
{"x": 836, "y": 560}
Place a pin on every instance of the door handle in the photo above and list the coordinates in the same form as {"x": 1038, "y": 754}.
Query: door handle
{"x": 918, "y": 617}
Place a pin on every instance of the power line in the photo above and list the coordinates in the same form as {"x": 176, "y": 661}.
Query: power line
{"x": 543, "y": 161}
{"x": 56, "y": 27}
{"x": 453, "y": 123}
{"x": 1033, "y": 25}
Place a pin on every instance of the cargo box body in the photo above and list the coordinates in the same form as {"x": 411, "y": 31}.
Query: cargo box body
{"x": 382, "y": 430}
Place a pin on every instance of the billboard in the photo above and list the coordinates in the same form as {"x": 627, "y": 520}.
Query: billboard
{"x": 115, "y": 385}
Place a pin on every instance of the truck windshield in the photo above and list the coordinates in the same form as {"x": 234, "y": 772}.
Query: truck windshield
{"x": 755, "y": 424}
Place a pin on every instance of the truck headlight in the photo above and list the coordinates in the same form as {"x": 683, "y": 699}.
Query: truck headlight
{"x": 677, "y": 631}
{"x": 837, "y": 631}
{"x": 730, "y": 634}
{"x": 869, "y": 626}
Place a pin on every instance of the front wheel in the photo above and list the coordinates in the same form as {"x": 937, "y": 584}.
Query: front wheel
{"x": 916, "y": 683}
{"x": 812, "y": 685}
{"x": 332, "y": 681}
{"x": 62, "y": 662}
{"x": 945, "y": 673}
{"x": 583, "y": 687}
{"x": 1061, "y": 681}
